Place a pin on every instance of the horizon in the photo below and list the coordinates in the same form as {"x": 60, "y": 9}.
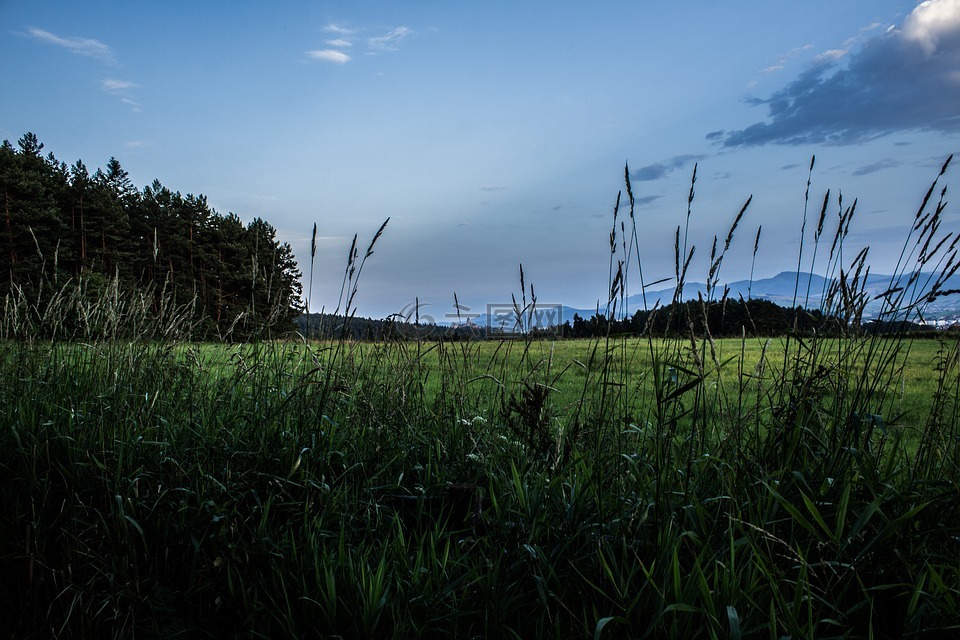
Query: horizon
{"x": 497, "y": 135}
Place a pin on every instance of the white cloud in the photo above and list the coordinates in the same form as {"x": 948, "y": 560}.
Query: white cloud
{"x": 335, "y": 54}
{"x": 932, "y": 21}
{"x": 333, "y": 28}
{"x": 330, "y": 55}
{"x": 783, "y": 58}
{"x": 92, "y": 49}
{"x": 832, "y": 54}
{"x": 390, "y": 41}
{"x": 115, "y": 86}
{"x": 80, "y": 46}
{"x": 121, "y": 89}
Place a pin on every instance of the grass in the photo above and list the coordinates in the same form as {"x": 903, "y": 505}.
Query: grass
{"x": 625, "y": 487}
{"x": 478, "y": 373}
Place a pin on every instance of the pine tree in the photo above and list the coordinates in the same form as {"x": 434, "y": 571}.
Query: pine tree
{"x": 59, "y": 222}
{"x": 30, "y": 189}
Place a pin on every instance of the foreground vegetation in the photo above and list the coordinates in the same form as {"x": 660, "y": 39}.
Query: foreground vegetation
{"x": 660, "y": 487}
{"x": 161, "y": 490}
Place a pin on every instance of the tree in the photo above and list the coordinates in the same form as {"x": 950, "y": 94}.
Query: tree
{"x": 76, "y": 200}
{"x": 107, "y": 209}
{"x": 59, "y": 222}
{"x": 275, "y": 278}
{"x": 30, "y": 190}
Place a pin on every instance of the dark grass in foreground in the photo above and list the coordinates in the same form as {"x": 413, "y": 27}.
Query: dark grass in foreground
{"x": 327, "y": 490}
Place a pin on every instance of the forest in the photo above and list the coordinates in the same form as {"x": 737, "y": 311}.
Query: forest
{"x": 67, "y": 231}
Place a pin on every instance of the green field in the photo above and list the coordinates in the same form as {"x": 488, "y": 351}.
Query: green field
{"x": 628, "y": 487}
{"x": 736, "y": 377}
{"x": 662, "y": 485}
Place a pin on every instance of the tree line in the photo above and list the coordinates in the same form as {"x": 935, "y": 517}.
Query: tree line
{"x": 718, "y": 318}
{"x": 62, "y": 225}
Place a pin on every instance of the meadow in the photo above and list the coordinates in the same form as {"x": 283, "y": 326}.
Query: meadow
{"x": 678, "y": 486}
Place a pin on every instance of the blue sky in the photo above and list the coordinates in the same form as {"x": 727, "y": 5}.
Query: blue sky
{"x": 495, "y": 133}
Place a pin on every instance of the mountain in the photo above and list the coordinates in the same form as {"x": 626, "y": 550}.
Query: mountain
{"x": 778, "y": 289}
{"x": 810, "y": 289}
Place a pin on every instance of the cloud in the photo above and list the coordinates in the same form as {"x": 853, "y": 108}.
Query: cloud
{"x": 901, "y": 80}
{"x": 876, "y": 166}
{"x": 111, "y": 85}
{"x": 831, "y": 55}
{"x": 782, "y": 60}
{"x": 488, "y": 187}
{"x": 661, "y": 169}
{"x": 933, "y": 23}
{"x": 92, "y": 49}
{"x": 334, "y": 28}
{"x": 390, "y": 41}
{"x": 330, "y": 55}
{"x": 121, "y": 89}
{"x": 645, "y": 200}
{"x": 80, "y": 46}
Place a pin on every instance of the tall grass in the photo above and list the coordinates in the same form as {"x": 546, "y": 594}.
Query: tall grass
{"x": 665, "y": 486}
{"x": 93, "y": 308}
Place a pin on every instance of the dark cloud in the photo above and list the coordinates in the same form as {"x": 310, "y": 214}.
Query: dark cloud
{"x": 904, "y": 80}
{"x": 661, "y": 169}
{"x": 645, "y": 200}
{"x": 876, "y": 166}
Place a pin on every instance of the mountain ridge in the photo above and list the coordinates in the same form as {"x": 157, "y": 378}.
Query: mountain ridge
{"x": 792, "y": 288}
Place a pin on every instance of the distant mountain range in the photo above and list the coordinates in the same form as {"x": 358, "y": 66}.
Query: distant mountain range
{"x": 779, "y": 289}
{"x": 804, "y": 289}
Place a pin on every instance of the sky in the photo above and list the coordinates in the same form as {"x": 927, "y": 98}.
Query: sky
{"x": 495, "y": 134}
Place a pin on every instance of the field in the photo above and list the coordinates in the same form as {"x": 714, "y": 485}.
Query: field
{"x": 621, "y": 488}
{"x": 668, "y": 485}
